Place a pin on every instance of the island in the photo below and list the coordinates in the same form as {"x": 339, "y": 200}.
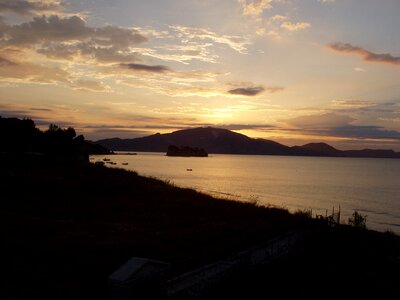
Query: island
{"x": 186, "y": 151}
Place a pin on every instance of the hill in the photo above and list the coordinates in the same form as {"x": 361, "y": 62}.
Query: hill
{"x": 213, "y": 140}
{"x": 223, "y": 141}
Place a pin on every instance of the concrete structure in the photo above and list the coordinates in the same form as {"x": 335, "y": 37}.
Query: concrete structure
{"x": 138, "y": 278}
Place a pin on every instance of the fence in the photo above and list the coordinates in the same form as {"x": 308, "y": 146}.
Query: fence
{"x": 333, "y": 219}
{"x": 195, "y": 284}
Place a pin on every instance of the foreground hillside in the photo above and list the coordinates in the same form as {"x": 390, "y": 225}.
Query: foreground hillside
{"x": 223, "y": 141}
{"x": 66, "y": 227}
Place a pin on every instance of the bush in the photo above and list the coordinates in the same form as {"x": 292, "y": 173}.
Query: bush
{"x": 307, "y": 213}
{"x": 358, "y": 220}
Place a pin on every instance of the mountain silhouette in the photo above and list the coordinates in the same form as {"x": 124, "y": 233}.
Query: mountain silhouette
{"x": 223, "y": 141}
{"x": 213, "y": 140}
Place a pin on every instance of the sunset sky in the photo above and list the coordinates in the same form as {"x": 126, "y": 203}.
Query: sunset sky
{"x": 294, "y": 71}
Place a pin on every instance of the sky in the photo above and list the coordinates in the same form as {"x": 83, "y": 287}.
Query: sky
{"x": 294, "y": 71}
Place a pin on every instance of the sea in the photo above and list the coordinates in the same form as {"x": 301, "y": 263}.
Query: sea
{"x": 321, "y": 184}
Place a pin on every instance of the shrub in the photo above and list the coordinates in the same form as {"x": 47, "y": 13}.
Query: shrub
{"x": 307, "y": 213}
{"x": 358, "y": 220}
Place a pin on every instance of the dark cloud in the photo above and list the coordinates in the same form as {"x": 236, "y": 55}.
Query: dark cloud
{"x": 247, "y": 91}
{"x": 21, "y": 114}
{"x": 242, "y": 126}
{"x": 365, "y": 54}
{"x": 372, "y": 132}
{"x": 47, "y": 29}
{"x": 338, "y": 125}
{"x": 105, "y": 133}
{"x": 69, "y": 37}
{"x": 58, "y": 29}
{"x": 41, "y": 109}
{"x": 365, "y": 107}
{"x": 147, "y": 68}
{"x": 23, "y": 7}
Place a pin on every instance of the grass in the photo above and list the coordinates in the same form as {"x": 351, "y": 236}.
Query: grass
{"x": 66, "y": 227}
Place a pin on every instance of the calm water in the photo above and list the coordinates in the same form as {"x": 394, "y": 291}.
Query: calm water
{"x": 371, "y": 186}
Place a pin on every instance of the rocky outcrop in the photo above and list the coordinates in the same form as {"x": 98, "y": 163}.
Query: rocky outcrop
{"x": 186, "y": 151}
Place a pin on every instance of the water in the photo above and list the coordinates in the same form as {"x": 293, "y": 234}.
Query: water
{"x": 370, "y": 186}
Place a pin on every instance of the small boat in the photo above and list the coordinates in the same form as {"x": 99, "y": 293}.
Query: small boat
{"x": 106, "y": 159}
{"x": 189, "y": 170}
{"x": 124, "y": 164}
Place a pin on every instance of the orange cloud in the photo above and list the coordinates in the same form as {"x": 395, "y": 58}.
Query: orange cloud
{"x": 255, "y": 7}
{"x": 295, "y": 26}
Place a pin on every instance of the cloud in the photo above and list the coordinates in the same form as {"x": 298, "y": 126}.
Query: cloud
{"x": 170, "y": 82}
{"x": 251, "y": 90}
{"x": 321, "y": 121}
{"x": 269, "y": 33}
{"x": 390, "y": 120}
{"x": 25, "y": 7}
{"x": 242, "y": 126}
{"x": 255, "y": 7}
{"x": 70, "y": 37}
{"x": 66, "y": 46}
{"x": 247, "y": 91}
{"x": 90, "y": 86}
{"x": 6, "y": 62}
{"x": 172, "y": 87}
{"x": 27, "y": 72}
{"x": 193, "y": 34}
{"x": 98, "y": 121}
{"x": 295, "y": 26}
{"x": 147, "y": 68}
{"x": 351, "y": 103}
{"x": 104, "y": 133}
{"x": 274, "y": 89}
{"x": 364, "y": 132}
{"x": 358, "y": 69}
{"x": 46, "y": 29}
{"x": 278, "y": 26}
{"x": 365, "y": 54}
{"x": 181, "y": 53}
{"x": 339, "y": 125}
{"x": 43, "y": 116}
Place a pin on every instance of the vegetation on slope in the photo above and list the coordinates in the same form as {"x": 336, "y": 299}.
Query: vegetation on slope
{"x": 66, "y": 227}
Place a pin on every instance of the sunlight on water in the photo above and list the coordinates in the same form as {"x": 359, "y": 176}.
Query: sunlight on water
{"x": 370, "y": 186}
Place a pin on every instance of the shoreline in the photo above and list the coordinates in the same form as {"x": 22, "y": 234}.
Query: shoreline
{"x": 268, "y": 195}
